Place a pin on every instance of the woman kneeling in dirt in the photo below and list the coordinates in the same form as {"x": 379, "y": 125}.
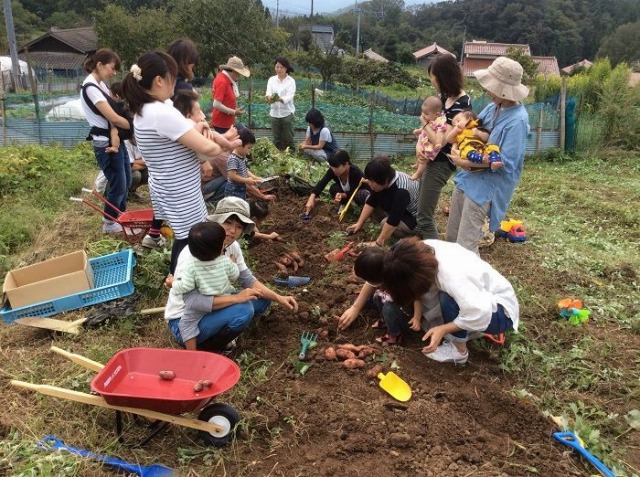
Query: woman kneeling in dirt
{"x": 226, "y": 316}
{"x": 473, "y": 297}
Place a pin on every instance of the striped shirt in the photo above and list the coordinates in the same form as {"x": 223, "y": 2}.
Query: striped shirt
{"x": 236, "y": 189}
{"x": 213, "y": 277}
{"x": 174, "y": 170}
{"x": 399, "y": 200}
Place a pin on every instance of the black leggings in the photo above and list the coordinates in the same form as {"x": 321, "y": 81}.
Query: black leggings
{"x": 178, "y": 245}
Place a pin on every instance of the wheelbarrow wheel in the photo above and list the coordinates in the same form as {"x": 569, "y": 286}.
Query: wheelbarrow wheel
{"x": 223, "y": 416}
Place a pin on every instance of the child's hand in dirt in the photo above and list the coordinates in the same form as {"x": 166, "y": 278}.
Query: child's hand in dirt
{"x": 270, "y": 197}
{"x": 274, "y": 236}
{"x": 414, "y": 323}
{"x": 352, "y": 229}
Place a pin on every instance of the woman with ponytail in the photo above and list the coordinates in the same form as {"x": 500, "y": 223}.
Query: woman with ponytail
{"x": 169, "y": 143}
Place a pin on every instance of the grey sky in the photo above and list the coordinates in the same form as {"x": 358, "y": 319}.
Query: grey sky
{"x": 302, "y": 7}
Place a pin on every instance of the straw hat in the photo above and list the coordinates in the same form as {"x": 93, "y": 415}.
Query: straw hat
{"x": 504, "y": 79}
{"x": 230, "y": 206}
{"x": 235, "y": 64}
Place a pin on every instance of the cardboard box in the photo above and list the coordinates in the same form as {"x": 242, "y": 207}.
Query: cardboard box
{"x": 47, "y": 280}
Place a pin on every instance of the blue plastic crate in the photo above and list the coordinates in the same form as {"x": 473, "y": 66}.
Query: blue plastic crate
{"x": 112, "y": 279}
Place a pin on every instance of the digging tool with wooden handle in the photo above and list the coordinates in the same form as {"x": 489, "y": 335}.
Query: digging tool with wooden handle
{"x": 346, "y": 207}
{"x": 73, "y": 327}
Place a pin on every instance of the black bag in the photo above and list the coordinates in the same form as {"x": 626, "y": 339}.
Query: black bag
{"x": 298, "y": 185}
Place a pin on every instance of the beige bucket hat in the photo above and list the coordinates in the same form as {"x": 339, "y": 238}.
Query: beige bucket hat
{"x": 504, "y": 79}
{"x": 233, "y": 206}
{"x": 234, "y": 63}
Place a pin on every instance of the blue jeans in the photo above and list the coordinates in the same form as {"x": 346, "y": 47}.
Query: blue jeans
{"x": 237, "y": 317}
{"x": 213, "y": 190}
{"x": 500, "y": 322}
{"x": 395, "y": 318}
{"x": 117, "y": 170}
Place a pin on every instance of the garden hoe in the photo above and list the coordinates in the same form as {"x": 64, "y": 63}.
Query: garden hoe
{"x": 571, "y": 440}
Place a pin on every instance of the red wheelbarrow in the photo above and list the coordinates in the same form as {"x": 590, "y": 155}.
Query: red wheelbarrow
{"x": 135, "y": 223}
{"x": 130, "y": 382}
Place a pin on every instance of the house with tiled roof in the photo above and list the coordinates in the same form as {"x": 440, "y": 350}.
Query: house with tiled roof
{"x": 584, "y": 64}
{"x": 59, "y": 50}
{"x": 547, "y": 65}
{"x": 372, "y": 55}
{"x": 425, "y": 55}
{"x": 478, "y": 55}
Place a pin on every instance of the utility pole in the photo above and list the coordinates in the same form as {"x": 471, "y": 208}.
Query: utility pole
{"x": 359, "y": 12}
{"x": 13, "y": 46}
{"x": 277, "y": 12}
{"x": 311, "y": 9}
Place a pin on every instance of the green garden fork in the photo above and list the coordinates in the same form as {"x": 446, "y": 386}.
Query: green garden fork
{"x": 308, "y": 341}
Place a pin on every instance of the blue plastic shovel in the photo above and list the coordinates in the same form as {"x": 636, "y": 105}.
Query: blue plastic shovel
{"x": 571, "y": 440}
{"x": 53, "y": 443}
{"x": 293, "y": 281}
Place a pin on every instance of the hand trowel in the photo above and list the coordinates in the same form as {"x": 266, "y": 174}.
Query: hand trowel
{"x": 395, "y": 386}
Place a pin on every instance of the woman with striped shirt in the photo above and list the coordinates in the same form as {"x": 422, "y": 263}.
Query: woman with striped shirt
{"x": 168, "y": 142}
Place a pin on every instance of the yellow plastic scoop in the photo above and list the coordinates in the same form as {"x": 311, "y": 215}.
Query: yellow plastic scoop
{"x": 395, "y": 386}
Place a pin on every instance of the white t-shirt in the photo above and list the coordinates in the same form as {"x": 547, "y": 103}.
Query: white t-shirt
{"x": 174, "y": 170}
{"x": 476, "y": 287}
{"x": 95, "y": 97}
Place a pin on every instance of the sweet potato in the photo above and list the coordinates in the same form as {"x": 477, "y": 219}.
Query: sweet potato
{"x": 345, "y": 354}
{"x": 353, "y": 363}
{"x": 167, "y": 375}
{"x": 286, "y": 261}
{"x": 373, "y": 372}
{"x": 206, "y": 383}
{"x": 282, "y": 268}
{"x": 350, "y": 347}
{"x": 294, "y": 264}
{"x": 198, "y": 387}
{"x": 366, "y": 351}
{"x": 297, "y": 258}
{"x": 330, "y": 354}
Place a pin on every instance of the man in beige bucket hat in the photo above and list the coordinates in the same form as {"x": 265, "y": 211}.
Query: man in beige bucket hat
{"x": 225, "y": 92}
{"x": 487, "y": 193}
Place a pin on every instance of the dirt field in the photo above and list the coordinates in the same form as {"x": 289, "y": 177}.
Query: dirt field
{"x": 461, "y": 421}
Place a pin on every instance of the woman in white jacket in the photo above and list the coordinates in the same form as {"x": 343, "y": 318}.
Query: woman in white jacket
{"x": 472, "y": 295}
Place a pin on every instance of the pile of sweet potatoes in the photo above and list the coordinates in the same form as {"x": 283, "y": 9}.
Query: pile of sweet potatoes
{"x": 291, "y": 260}
{"x": 353, "y": 356}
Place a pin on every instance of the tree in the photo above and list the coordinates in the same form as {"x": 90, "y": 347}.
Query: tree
{"x": 327, "y": 64}
{"x": 131, "y": 34}
{"x": 623, "y": 45}
{"x": 528, "y": 65}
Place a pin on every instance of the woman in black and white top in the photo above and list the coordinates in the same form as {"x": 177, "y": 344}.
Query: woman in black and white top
{"x": 99, "y": 110}
{"x": 168, "y": 142}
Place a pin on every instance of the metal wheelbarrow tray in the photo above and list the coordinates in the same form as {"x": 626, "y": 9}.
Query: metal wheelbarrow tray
{"x": 130, "y": 382}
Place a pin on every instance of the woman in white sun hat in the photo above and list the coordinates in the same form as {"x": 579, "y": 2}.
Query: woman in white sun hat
{"x": 488, "y": 193}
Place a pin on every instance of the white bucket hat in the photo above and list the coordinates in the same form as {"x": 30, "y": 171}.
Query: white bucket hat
{"x": 230, "y": 206}
{"x": 234, "y": 63}
{"x": 504, "y": 79}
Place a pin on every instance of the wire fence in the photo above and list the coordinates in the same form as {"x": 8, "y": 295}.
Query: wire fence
{"x": 373, "y": 121}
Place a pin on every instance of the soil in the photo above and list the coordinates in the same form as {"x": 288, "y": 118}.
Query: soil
{"x": 460, "y": 421}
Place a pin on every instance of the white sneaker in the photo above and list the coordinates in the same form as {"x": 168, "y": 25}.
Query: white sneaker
{"x": 149, "y": 242}
{"x": 448, "y": 353}
{"x": 111, "y": 228}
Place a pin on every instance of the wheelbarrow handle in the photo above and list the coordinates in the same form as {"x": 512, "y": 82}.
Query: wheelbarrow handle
{"x": 78, "y": 359}
{"x": 76, "y": 199}
{"x": 88, "y": 191}
{"x": 571, "y": 440}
